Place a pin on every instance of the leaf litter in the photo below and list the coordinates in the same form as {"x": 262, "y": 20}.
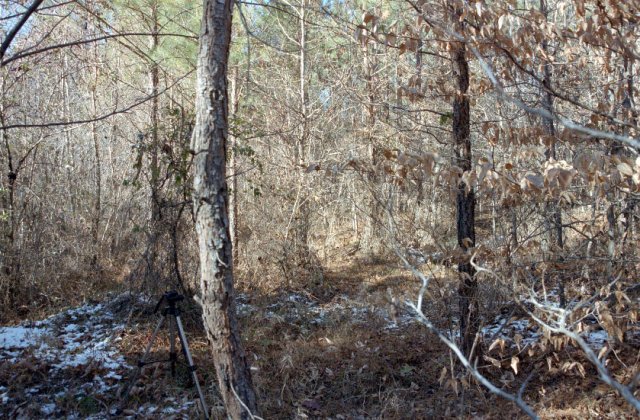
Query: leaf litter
{"x": 69, "y": 365}
{"x": 76, "y": 367}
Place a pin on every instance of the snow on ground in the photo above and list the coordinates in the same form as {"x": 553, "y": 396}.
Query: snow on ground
{"x": 527, "y": 333}
{"x": 72, "y": 356}
{"x": 19, "y": 337}
{"x": 508, "y": 329}
{"x": 307, "y": 312}
{"x": 77, "y": 352}
{"x": 524, "y": 332}
{"x": 78, "y": 369}
{"x": 299, "y": 308}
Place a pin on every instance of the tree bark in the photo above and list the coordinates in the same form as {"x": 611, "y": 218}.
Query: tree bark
{"x": 210, "y": 197}
{"x": 303, "y": 211}
{"x": 553, "y": 210}
{"x": 465, "y": 200}
{"x": 9, "y": 263}
{"x": 550, "y": 130}
{"x": 629, "y": 105}
{"x": 98, "y": 174}
{"x": 153, "y": 263}
{"x": 370, "y": 236}
{"x": 97, "y": 209}
{"x": 233, "y": 164}
{"x": 155, "y": 143}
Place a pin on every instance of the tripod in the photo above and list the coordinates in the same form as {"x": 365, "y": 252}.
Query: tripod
{"x": 170, "y": 313}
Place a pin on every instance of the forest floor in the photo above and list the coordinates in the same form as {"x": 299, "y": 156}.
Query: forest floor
{"x": 339, "y": 350}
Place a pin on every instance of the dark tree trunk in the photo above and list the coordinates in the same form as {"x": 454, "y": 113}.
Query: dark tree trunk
{"x": 97, "y": 212}
{"x": 631, "y": 114}
{"x": 553, "y": 211}
{"x": 154, "y": 82}
{"x": 302, "y": 218}
{"x": 210, "y": 197}
{"x": 465, "y": 200}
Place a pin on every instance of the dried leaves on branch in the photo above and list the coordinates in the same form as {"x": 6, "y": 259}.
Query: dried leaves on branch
{"x": 339, "y": 152}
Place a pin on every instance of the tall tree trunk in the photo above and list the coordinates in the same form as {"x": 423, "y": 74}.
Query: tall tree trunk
{"x": 629, "y": 105}
{"x": 302, "y": 219}
{"x": 95, "y": 230}
{"x": 370, "y": 237}
{"x": 553, "y": 211}
{"x": 550, "y": 131}
{"x": 419, "y": 120}
{"x": 616, "y": 246}
{"x": 155, "y": 146}
{"x": 152, "y": 256}
{"x": 98, "y": 174}
{"x": 465, "y": 200}
{"x": 233, "y": 165}
{"x": 11, "y": 254}
{"x": 66, "y": 111}
{"x": 210, "y": 197}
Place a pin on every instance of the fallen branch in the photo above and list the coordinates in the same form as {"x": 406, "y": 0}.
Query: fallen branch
{"x": 471, "y": 368}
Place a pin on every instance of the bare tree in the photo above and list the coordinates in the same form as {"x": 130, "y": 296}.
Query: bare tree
{"x": 210, "y": 198}
{"x": 465, "y": 200}
{"x": 553, "y": 210}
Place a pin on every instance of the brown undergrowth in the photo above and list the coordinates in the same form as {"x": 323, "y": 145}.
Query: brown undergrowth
{"x": 341, "y": 350}
{"x": 56, "y": 292}
{"x": 338, "y": 351}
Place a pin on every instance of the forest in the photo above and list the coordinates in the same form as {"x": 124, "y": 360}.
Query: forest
{"x": 336, "y": 209}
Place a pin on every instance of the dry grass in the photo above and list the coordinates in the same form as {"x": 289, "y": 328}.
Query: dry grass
{"x": 343, "y": 369}
{"x": 348, "y": 364}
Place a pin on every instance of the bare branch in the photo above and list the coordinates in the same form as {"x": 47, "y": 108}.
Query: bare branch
{"x": 486, "y": 68}
{"x": 14, "y": 31}
{"x": 421, "y": 317}
{"x": 560, "y": 327}
{"x": 100, "y": 118}
{"x": 517, "y": 399}
{"x": 41, "y": 9}
{"x": 85, "y": 41}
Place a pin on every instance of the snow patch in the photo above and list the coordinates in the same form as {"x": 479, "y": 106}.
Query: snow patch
{"x": 20, "y": 337}
{"x": 528, "y": 333}
{"x": 48, "y": 409}
{"x": 297, "y": 308}
{"x": 77, "y": 350}
{"x": 597, "y": 339}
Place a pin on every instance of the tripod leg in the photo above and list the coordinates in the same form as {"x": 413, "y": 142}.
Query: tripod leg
{"x": 192, "y": 367}
{"x": 173, "y": 356}
{"x": 147, "y": 350}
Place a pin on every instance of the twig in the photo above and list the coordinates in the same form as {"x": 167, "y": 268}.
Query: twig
{"x": 251, "y": 415}
{"x": 517, "y": 399}
{"x": 24, "y": 54}
{"x": 561, "y": 328}
{"x": 14, "y": 31}
{"x": 560, "y": 317}
{"x": 421, "y": 317}
{"x": 100, "y": 118}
